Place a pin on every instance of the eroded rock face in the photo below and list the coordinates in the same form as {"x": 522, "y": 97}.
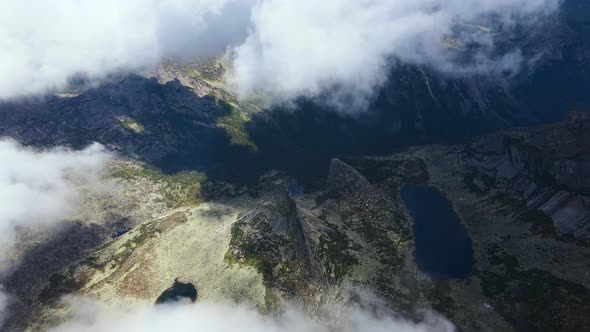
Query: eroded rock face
{"x": 549, "y": 168}
{"x": 344, "y": 180}
{"x": 274, "y": 239}
{"x": 314, "y": 251}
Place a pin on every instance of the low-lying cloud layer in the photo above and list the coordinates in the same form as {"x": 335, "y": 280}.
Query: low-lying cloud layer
{"x": 303, "y": 48}
{"x": 39, "y": 189}
{"x": 285, "y": 48}
{"x": 44, "y": 43}
{"x": 93, "y": 317}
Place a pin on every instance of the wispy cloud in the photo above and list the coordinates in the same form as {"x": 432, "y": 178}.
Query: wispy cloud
{"x": 339, "y": 48}
{"x": 300, "y": 48}
{"x": 43, "y": 44}
{"x": 39, "y": 189}
{"x": 91, "y": 316}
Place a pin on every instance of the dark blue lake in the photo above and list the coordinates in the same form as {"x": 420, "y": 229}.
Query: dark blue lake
{"x": 443, "y": 246}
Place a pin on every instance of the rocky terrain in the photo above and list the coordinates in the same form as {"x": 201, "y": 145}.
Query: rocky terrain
{"x": 547, "y": 168}
{"x": 272, "y": 208}
{"x": 184, "y": 117}
{"x": 269, "y": 246}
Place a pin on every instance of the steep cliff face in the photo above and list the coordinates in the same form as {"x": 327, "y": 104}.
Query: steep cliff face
{"x": 326, "y": 247}
{"x": 548, "y": 167}
{"x": 542, "y": 90}
{"x": 344, "y": 180}
{"x": 275, "y": 239}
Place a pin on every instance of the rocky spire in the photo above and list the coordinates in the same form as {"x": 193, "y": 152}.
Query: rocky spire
{"x": 343, "y": 179}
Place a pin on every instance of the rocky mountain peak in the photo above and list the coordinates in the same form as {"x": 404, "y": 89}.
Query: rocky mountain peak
{"x": 344, "y": 179}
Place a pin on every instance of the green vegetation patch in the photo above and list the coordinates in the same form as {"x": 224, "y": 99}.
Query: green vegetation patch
{"x": 182, "y": 188}
{"x": 382, "y": 225}
{"x": 131, "y": 124}
{"x": 274, "y": 254}
{"x": 211, "y": 72}
{"x": 208, "y": 69}
{"x": 234, "y": 125}
{"x": 234, "y": 122}
{"x": 335, "y": 252}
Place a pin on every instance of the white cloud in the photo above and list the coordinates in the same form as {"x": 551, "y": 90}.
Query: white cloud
{"x": 44, "y": 43}
{"x": 304, "y": 47}
{"x": 40, "y": 189}
{"x": 286, "y": 48}
{"x": 95, "y": 317}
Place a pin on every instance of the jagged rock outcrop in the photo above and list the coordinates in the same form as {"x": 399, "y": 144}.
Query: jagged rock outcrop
{"x": 274, "y": 235}
{"x": 291, "y": 248}
{"x": 353, "y": 233}
{"x": 344, "y": 180}
{"x": 549, "y": 168}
